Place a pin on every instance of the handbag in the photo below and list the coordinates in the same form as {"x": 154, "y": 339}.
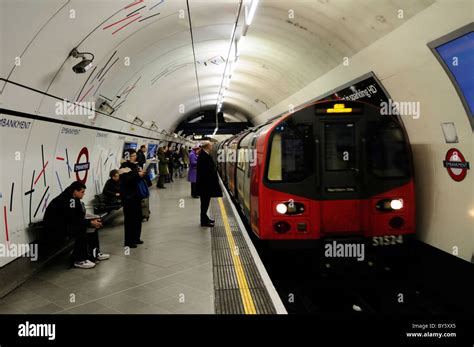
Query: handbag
{"x": 143, "y": 188}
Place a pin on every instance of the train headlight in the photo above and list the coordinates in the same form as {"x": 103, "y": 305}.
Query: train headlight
{"x": 388, "y": 205}
{"x": 281, "y": 208}
{"x": 396, "y": 204}
{"x": 289, "y": 208}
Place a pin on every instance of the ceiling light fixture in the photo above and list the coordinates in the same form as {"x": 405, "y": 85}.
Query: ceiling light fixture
{"x": 251, "y": 13}
{"x": 104, "y": 106}
{"x": 137, "y": 121}
{"x": 153, "y": 126}
{"x": 232, "y": 42}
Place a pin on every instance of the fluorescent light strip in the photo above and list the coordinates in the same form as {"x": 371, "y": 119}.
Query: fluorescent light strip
{"x": 251, "y": 13}
{"x": 232, "y": 40}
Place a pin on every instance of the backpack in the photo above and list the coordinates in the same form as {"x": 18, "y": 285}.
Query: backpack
{"x": 143, "y": 188}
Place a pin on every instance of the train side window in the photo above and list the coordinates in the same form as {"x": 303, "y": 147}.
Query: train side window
{"x": 244, "y": 152}
{"x": 291, "y": 153}
{"x": 241, "y": 158}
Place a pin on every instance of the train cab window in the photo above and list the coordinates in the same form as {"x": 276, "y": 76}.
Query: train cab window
{"x": 339, "y": 146}
{"x": 291, "y": 153}
{"x": 388, "y": 155}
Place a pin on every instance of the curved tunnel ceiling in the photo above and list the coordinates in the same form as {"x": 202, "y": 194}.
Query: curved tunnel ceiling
{"x": 288, "y": 45}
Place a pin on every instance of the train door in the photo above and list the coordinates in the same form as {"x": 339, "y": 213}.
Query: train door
{"x": 340, "y": 181}
{"x": 246, "y": 158}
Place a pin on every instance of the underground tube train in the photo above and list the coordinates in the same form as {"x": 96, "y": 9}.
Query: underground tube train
{"x": 330, "y": 169}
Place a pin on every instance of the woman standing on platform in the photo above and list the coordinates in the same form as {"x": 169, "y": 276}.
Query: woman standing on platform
{"x": 130, "y": 176}
{"x": 193, "y": 158}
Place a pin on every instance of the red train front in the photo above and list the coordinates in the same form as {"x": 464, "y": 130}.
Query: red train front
{"x": 330, "y": 169}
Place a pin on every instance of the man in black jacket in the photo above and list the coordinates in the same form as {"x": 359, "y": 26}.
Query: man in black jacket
{"x": 65, "y": 214}
{"x": 207, "y": 182}
{"x": 141, "y": 156}
{"x": 130, "y": 175}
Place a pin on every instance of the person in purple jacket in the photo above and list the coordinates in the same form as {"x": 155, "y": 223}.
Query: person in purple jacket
{"x": 192, "y": 173}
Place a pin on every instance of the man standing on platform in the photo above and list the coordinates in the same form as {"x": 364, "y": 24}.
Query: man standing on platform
{"x": 162, "y": 167}
{"x": 207, "y": 182}
{"x": 141, "y": 156}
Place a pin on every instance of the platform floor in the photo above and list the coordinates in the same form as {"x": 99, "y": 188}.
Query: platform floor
{"x": 171, "y": 272}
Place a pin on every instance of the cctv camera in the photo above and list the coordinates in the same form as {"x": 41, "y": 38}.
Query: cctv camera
{"x": 83, "y": 66}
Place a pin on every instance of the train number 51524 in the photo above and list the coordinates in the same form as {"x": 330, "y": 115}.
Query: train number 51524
{"x": 387, "y": 240}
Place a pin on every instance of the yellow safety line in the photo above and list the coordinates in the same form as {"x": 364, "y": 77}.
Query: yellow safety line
{"x": 247, "y": 299}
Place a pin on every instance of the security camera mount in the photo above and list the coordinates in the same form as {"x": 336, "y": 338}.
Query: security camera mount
{"x": 76, "y": 54}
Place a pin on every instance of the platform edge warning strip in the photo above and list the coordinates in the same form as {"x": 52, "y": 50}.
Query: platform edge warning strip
{"x": 227, "y": 244}
{"x": 249, "y": 306}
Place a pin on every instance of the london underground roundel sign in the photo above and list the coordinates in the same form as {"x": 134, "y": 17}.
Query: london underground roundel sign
{"x": 82, "y": 165}
{"x": 456, "y": 164}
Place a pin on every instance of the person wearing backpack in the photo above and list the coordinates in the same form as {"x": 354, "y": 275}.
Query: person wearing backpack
{"x": 130, "y": 178}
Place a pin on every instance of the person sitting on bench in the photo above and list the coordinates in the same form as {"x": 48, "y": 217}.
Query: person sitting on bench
{"x": 66, "y": 213}
{"x": 111, "y": 190}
